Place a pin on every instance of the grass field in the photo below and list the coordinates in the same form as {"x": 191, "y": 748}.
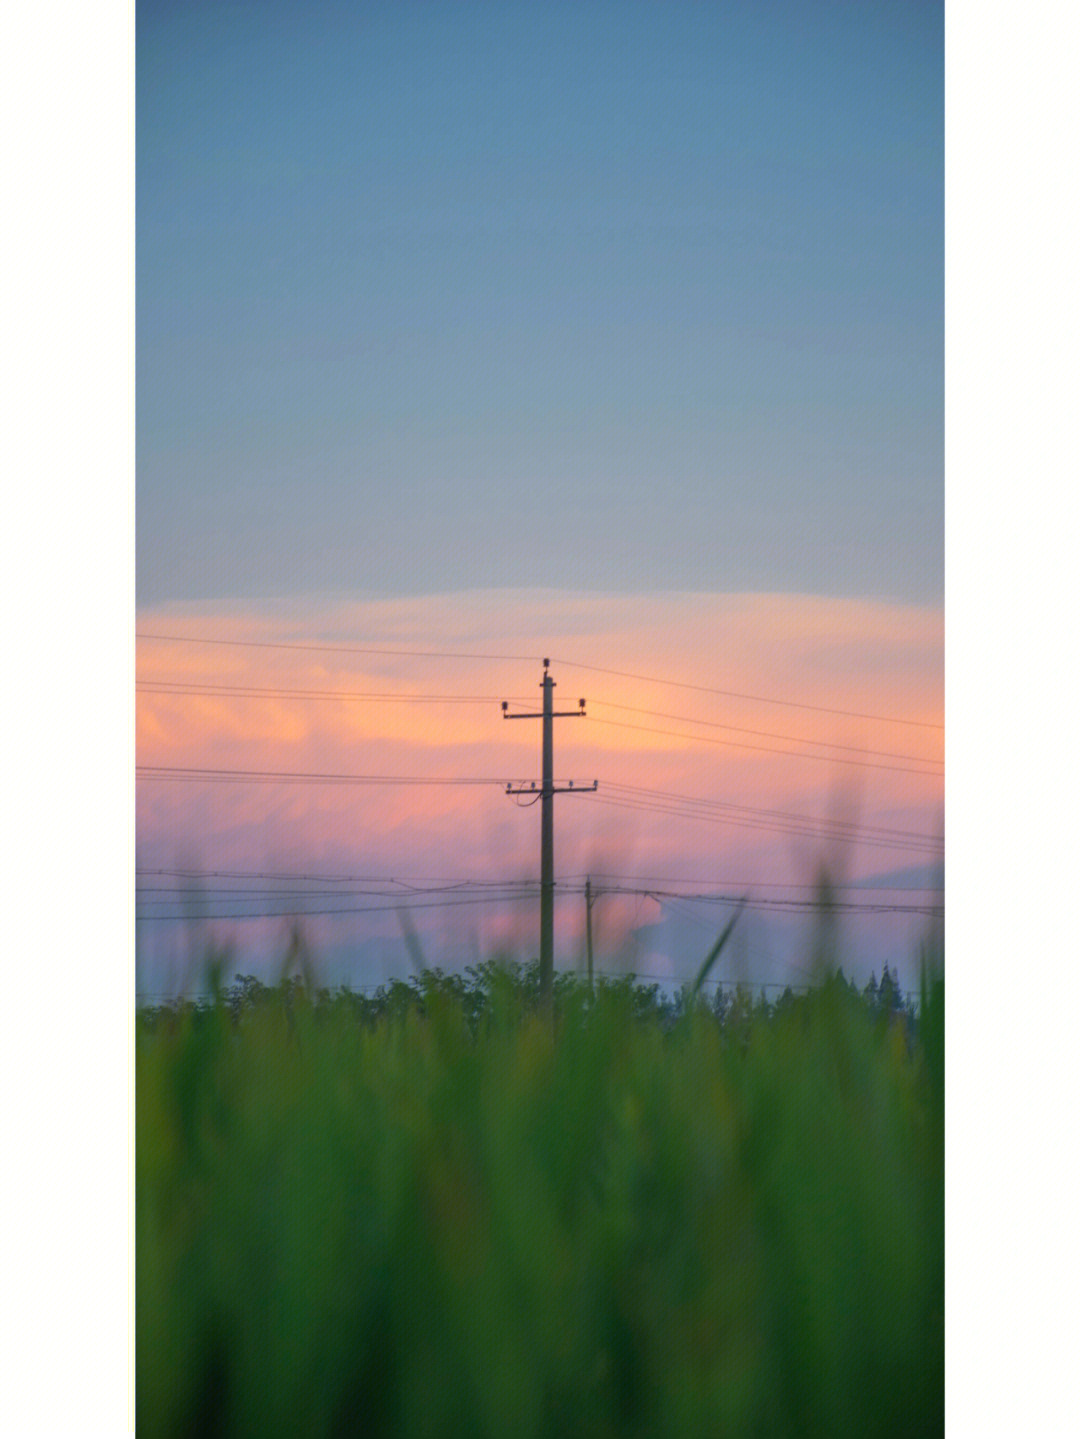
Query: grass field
{"x": 439, "y": 1212}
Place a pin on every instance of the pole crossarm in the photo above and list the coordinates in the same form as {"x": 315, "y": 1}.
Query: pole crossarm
{"x": 570, "y": 788}
{"x": 555, "y": 714}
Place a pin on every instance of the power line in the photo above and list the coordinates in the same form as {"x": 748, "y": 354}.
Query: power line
{"x": 316, "y": 878}
{"x": 299, "y": 776}
{"x": 658, "y": 896}
{"x": 181, "y": 688}
{"x": 771, "y": 749}
{"x": 775, "y": 813}
{"x": 524, "y": 659}
{"x": 741, "y": 822}
{"x": 285, "y": 906}
{"x": 646, "y": 794}
{"x": 757, "y": 699}
{"x": 231, "y": 893}
{"x": 262, "y": 874}
{"x": 808, "y": 904}
{"x": 743, "y": 884}
{"x": 766, "y": 734}
{"x": 316, "y": 913}
{"x": 334, "y": 649}
{"x": 512, "y": 889}
{"x": 794, "y": 831}
{"x": 508, "y": 889}
{"x": 632, "y": 797}
{"x": 497, "y": 890}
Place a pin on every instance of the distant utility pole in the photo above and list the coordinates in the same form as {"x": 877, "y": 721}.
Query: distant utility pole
{"x": 589, "y": 899}
{"x": 547, "y": 841}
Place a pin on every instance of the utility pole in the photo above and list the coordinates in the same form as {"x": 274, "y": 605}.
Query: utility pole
{"x": 588, "y": 926}
{"x": 547, "y": 794}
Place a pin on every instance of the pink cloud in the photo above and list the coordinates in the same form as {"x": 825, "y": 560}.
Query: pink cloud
{"x": 861, "y": 657}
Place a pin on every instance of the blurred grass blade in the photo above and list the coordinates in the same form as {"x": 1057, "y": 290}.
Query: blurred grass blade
{"x": 412, "y": 941}
{"x": 427, "y": 1212}
{"x": 714, "y": 953}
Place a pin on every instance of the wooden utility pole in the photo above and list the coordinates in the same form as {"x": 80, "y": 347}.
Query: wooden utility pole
{"x": 548, "y": 791}
{"x": 588, "y": 927}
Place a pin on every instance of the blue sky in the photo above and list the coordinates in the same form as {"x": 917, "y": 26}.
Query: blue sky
{"x": 625, "y": 297}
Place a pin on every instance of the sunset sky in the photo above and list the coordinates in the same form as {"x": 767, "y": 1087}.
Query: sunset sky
{"x": 479, "y": 333}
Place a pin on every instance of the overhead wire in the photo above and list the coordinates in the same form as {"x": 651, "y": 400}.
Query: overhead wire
{"x": 316, "y": 913}
{"x": 286, "y": 877}
{"x": 801, "y": 905}
{"x": 336, "y": 649}
{"x": 763, "y": 884}
{"x": 758, "y": 810}
{"x": 757, "y": 699}
{"x": 809, "y": 829}
{"x": 769, "y": 749}
{"x": 527, "y": 659}
{"x": 659, "y": 896}
{"x": 308, "y": 777}
{"x": 185, "y": 888}
{"x": 736, "y": 823}
{"x": 762, "y": 733}
{"x": 625, "y": 796}
{"x": 315, "y": 878}
{"x": 181, "y": 688}
{"x": 740, "y": 823}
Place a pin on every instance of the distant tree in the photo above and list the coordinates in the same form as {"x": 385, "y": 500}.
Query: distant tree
{"x": 721, "y": 1003}
{"x": 785, "y": 1002}
{"x": 890, "y": 996}
{"x": 885, "y": 989}
{"x": 243, "y": 995}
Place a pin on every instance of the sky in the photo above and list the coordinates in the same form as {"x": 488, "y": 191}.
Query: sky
{"x": 606, "y": 332}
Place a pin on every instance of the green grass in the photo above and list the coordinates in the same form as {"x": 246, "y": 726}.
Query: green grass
{"x": 436, "y": 1213}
